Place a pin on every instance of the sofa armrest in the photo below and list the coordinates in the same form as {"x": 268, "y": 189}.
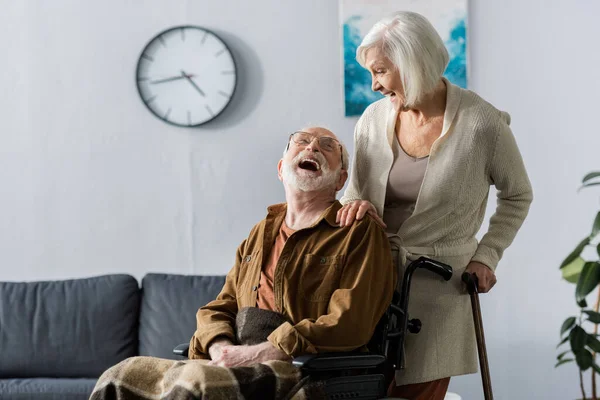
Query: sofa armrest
{"x": 338, "y": 361}
{"x": 182, "y": 349}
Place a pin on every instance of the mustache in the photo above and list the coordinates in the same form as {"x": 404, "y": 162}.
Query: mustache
{"x": 320, "y": 158}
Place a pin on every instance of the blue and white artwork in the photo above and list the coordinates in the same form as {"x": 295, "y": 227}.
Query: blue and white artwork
{"x": 449, "y": 17}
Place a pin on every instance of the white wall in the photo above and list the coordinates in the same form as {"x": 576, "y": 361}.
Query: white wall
{"x": 92, "y": 183}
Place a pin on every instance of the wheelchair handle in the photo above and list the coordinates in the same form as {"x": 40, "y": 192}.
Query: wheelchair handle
{"x": 444, "y": 270}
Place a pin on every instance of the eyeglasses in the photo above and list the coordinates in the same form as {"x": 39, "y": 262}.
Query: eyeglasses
{"x": 326, "y": 143}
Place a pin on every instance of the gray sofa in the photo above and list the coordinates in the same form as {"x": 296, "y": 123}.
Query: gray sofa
{"x": 57, "y": 337}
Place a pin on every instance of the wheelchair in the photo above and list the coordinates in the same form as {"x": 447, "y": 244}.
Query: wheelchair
{"x": 367, "y": 375}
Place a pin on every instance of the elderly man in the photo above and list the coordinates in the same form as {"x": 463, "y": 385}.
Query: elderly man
{"x": 332, "y": 284}
{"x": 300, "y": 284}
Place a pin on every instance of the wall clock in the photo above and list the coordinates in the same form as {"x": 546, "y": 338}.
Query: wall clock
{"x": 186, "y": 75}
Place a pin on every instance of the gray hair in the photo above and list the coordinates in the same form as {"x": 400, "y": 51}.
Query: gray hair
{"x": 345, "y": 155}
{"x": 410, "y": 41}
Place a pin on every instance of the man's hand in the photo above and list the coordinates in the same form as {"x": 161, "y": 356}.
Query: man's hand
{"x": 485, "y": 276}
{"x": 239, "y": 356}
{"x": 216, "y": 347}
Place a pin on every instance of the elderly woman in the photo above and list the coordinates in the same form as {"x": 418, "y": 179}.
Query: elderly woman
{"x": 425, "y": 157}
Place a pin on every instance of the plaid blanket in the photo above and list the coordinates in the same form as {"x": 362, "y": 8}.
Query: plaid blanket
{"x": 144, "y": 378}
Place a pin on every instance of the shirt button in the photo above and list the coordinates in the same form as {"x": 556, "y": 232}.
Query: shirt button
{"x": 323, "y": 260}
{"x": 248, "y": 258}
{"x": 255, "y": 288}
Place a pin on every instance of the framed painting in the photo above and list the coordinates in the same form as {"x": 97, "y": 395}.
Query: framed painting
{"x": 449, "y": 17}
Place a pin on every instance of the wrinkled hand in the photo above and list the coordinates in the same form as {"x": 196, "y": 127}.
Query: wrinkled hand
{"x": 356, "y": 210}
{"x": 239, "y": 356}
{"x": 485, "y": 276}
{"x": 216, "y": 348}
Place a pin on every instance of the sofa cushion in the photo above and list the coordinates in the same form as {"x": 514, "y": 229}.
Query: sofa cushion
{"x": 72, "y": 328}
{"x": 169, "y": 306}
{"x": 46, "y": 389}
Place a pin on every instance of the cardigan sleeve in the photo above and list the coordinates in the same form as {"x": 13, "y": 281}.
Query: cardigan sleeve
{"x": 372, "y": 156}
{"x": 507, "y": 173}
{"x": 352, "y": 191}
{"x": 360, "y": 184}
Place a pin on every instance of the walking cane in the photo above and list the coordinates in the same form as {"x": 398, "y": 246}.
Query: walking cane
{"x": 471, "y": 281}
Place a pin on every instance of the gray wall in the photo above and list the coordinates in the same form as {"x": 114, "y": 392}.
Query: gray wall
{"x": 92, "y": 183}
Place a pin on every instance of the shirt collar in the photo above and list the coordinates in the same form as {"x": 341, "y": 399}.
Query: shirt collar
{"x": 277, "y": 211}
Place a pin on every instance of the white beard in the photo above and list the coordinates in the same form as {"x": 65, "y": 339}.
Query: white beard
{"x": 306, "y": 183}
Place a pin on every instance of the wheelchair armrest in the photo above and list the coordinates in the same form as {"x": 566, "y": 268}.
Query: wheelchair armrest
{"x": 182, "y": 349}
{"x": 338, "y": 361}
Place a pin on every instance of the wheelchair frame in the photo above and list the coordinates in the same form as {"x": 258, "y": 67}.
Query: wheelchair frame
{"x": 367, "y": 375}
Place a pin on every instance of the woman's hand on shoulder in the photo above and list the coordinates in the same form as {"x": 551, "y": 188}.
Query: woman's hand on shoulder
{"x": 357, "y": 209}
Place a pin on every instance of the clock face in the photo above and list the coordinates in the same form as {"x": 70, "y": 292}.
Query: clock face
{"x": 186, "y": 76}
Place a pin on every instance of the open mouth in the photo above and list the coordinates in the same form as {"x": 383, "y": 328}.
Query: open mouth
{"x": 309, "y": 165}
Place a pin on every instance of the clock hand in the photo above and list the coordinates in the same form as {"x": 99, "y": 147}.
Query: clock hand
{"x": 186, "y": 76}
{"x": 173, "y": 78}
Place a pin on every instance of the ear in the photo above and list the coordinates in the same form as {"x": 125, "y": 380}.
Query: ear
{"x": 279, "y": 166}
{"x": 342, "y": 180}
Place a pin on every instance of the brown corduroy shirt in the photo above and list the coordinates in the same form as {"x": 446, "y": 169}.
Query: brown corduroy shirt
{"x": 333, "y": 284}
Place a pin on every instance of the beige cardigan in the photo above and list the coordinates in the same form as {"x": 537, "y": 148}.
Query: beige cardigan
{"x": 475, "y": 150}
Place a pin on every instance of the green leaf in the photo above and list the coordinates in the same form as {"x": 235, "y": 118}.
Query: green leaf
{"x": 598, "y": 249}
{"x": 596, "y": 367}
{"x": 596, "y": 226}
{"x": 593, "y": 343}
{"x": 588, "y": 280}
{"x": 588, "y": 185}
{"x": 562, "y": 342}
{"x": 576, "y": 253}
{"x": 582, "y": 303}
{"x": 571, "y": 272}
{"x": 564, "y": 361}
{"x": 589, "y": 176}
{"x": 584, "y": 359}
{"x": 568, "y": 324}
{"x": 593, "y": 316}
{"x": 578, "y": 338}
{"x": 561, "y": 355}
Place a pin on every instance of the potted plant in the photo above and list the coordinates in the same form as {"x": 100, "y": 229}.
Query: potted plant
{"x": 581, "y": 331}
